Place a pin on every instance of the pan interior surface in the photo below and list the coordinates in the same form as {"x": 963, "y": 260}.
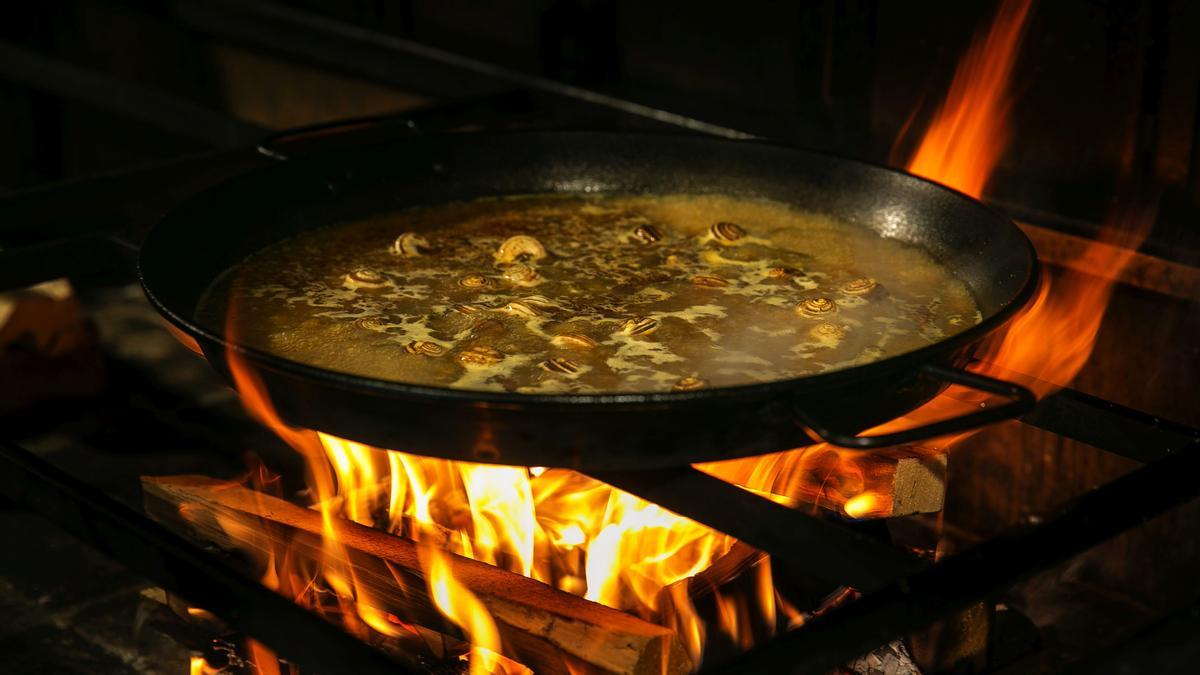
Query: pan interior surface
{"x": 591, "y": 294}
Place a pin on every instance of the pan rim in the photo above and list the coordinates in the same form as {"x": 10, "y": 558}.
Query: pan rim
{"x": 807, "y": 384}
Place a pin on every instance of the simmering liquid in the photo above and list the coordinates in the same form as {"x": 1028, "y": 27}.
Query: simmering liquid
{"x": 590, "y": 294}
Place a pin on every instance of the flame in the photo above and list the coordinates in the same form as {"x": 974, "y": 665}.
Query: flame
{"x": 1047, "y": 345}
{"x": 461, "y": 606}
{"x": 971, "y": 129}
{"x": 1044, "y": 347}
{"x": 199, "y": 666}
{"x": 262, "y": 660}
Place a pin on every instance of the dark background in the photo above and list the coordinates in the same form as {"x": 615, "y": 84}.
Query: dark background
{"x": 1102, "y": 89}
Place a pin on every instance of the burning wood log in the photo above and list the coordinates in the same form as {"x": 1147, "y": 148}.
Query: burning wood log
{"x": 545, "y": 627}
{"x": 886, "y": 484}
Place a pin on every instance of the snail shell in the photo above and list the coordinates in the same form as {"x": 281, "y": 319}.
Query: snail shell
{"x": 520, "y": 309}
{"x": 783, "y": 272}
{"x": 480, "y": 355}
{"x": 828, "y": 333}
{"x": 574, "y": 341}
{"x": 709, "y": 281}
{"x": 520, "y": 246}
{"x": 647, "y": 234}
{"x": 410, "y": 245}
{"x": 521, "y": 274}
{"x": 424, "y": 348}
{"x": 375, "y": 322}
{"x": 860, "y": 286}
{"x": 566, "y": 366}
{"x": 488, "y": 327}
{"x": 726, "y": 231}
{"x": 365, "y": 278}
{"x": 475, "y": 281}
{"x": 467, "y": 308}
{"x": 689, "y": 383}
{"x": 540, "y": 302}
{"x": 642, "y": 325}
{"x": 814, "y": 307}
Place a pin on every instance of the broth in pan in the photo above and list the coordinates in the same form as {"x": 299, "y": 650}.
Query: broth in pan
{"x": 590, "y": 294}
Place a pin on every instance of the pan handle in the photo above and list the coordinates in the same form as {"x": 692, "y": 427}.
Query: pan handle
{"x": 1020, "y": 401}
{"x": 283, "y": 145}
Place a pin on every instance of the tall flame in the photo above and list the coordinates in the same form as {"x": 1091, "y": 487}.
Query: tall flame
{"x": 971, "y": 129}
{"x": 1047, "y": 344}
{"x": 1044, "y": 347}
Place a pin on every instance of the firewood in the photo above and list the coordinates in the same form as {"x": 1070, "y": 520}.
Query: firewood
{"x": 884, "y": 484}
{"x": 541, "y": 626}
{"x": 956, "y": 644}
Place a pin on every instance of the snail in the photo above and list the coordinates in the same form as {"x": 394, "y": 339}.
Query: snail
{"x": 475, "y": 281}
{"x": 521, "y": 274}
{"x": 520, "y": 309}
{"x": 783, "y": 273}
{"x": 827, "y": 334}
{"x": 467, "y": 308}
{"x": 641, "y": 325}
{"x": 814, "y": 307}
{"x": 488, "y": 327}
{"x": 860, "y": 286}
{"x": 481, "y": 355}
{"x": 726, "y": 232}
{"x": 374, "y": 322}
{"x": 365, "y": 278}
{"x": 559, "y": 365}
{"x": 574, "y": 341}
{"x": 410, "y": 245}
{"x": 424, "y": 348}
{"x": 646, "y": 234}
{"x": 689, "y": 383}
{"x": 520, "y": 246}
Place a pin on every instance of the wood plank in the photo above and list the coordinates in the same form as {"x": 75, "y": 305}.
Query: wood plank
{"x": 542, "y": 625}
{"x": 1143, "y": 271}
{"x": 884, "y": 484}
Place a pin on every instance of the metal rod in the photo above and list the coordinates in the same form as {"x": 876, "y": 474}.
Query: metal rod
{"x": 170, "y": 561}
{"x": 1109, "y": 426}
{"x": 808, "y": 546}
{"x": 980, "y": 572}
{"x": 304, "y": 33}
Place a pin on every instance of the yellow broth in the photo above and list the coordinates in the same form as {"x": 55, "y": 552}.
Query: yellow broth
{"x": 632, "y": 294}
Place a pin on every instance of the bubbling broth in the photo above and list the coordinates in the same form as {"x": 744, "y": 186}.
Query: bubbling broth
{"x": 590, "y": 294}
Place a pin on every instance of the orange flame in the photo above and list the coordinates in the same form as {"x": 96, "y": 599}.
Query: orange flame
{"x": 971, "y": 129}
{"x": 1044, "y": 347}
{"x": 1052, "y": 339}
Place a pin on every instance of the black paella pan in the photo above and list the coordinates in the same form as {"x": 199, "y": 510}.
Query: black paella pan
{"x": 203, "y": 238}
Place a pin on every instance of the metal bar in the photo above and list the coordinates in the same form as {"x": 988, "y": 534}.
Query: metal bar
{"x": 1109, "y": 426}
{"x": 807, "y": 545}
{"x": 980, "y": 572}
{"x": 177, "y": 565}
{"x": 365, "y": 51}
{"x": 125, "y": 98}
{"x": 1167, "y": 645}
